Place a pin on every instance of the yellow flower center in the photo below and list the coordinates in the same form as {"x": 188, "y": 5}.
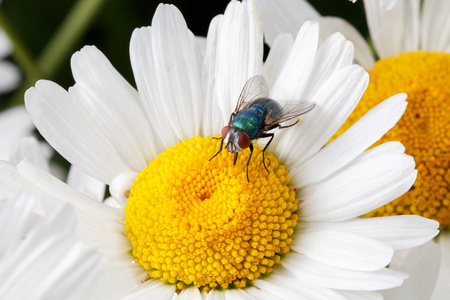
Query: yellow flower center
{"x": 196, "y": 221}
{"x": 424, "y": 129}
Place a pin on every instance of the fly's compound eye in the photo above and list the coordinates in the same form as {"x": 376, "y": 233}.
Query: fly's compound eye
{"x": 225, "y": 131}
{"x": 244, "y": 140}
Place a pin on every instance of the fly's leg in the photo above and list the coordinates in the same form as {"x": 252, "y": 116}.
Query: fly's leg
{"x": 220, "y": 149}
{"x": 282, "y": 127}
{"x": 231, "y": 118}
{"x": 248, "y": 161}
{"x": 271, "y": 135}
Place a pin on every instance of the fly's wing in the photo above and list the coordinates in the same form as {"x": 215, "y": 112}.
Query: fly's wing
{"x": 289, "y": 110}
{"x": 254, "y": 88}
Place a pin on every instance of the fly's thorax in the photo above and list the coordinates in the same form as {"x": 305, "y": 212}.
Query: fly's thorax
{"x": 249, "y": 120}
{"x": 258, "y": 109}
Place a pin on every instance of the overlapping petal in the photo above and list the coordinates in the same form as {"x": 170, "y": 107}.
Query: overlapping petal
{"x": 166, "y": 62}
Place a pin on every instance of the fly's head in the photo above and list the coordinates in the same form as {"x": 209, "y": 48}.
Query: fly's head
{"x": 235, "y": 139}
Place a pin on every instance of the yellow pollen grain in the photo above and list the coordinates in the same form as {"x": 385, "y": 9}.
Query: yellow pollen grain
{"x": 196, "y": 221}
{"x": 424, "y": 129}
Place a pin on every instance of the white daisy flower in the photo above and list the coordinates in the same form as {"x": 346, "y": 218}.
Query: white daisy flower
{"x": 195, "y": 225}
{"x": 40, "y": 258}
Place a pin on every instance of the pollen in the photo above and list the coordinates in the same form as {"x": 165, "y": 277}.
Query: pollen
{"x": 424, "y": 129}
{"x": 196, "y": 221}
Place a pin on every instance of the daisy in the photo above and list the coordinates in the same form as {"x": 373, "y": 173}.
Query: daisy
{"x": 197, "y": 227}
{"x": 413, "y": 43}
{"x": 40, "y": 258}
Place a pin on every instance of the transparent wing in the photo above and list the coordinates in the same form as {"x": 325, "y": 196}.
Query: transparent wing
{"x": 289, "y": 110}
{"x": 254, "y": 88}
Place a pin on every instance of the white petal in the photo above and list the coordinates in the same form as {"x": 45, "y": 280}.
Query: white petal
{"x": 392, "y": 147}
{"x": 335, "y": 100}
{"x": 238, "y": 42}
{"x": 14, "y": 124}
{"x": 435, "y": 26}
{"x": 277, "y": 57}
{"x": 43, "y": 183}
{"x": 11, "y": 181}
{"x": 364, "y": 295}
{"x": 213, "y": 119}
{"x": 288, "y": 16}
{"x": 9, "y": 77}
{"x": 294, "y": 76}
{"x": 315, "y": 273}
{"x": 31, "y": 149}
{"x": 442, "y": 289}
{"x": 201, "y": 41}
{"x": 291, "y": 288}
{"x": 394, "y": 31}
{"x": 114, "y": 106}
{"x": 342, "y": 250}
{"x": 152, "y": 289}
{"x": 284, "y": 16}
{"x": 190, "y": 293}
{"x": 371, "y": 127}
{"x": 216, "y": 295}
{"x": 86, "y": 184}
{"x": 398, "y": 232}
{"x": 5, "y": 44}
{"x": 257, "y": 294}
{"x": 69, "y": 128}
{"x": 422, "y": 265}
{"x": 358, "y": 188}
{"x": 249, "y": 293}
{"x": 363, "y": 53}
{"x": 387, "y": 4}
{"x": 71, "y": 270}
{"x": 333, "y": 54}
{"x": 166, "y": 62}
{"x": 121, "y": 278}
{"x": 16, "y": 219}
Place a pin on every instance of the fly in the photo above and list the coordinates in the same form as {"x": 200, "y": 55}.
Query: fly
{"x": 256, "y": 114}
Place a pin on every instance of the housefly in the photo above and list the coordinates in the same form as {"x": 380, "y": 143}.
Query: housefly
{"x": 256, "y": 114}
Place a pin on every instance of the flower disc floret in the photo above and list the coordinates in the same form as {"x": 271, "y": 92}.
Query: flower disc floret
{"x": 424, "y": 129}
{"x": 192, "y": 220}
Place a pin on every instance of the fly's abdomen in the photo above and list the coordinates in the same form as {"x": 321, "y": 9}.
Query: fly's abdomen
{"x": 248, "y": 120}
